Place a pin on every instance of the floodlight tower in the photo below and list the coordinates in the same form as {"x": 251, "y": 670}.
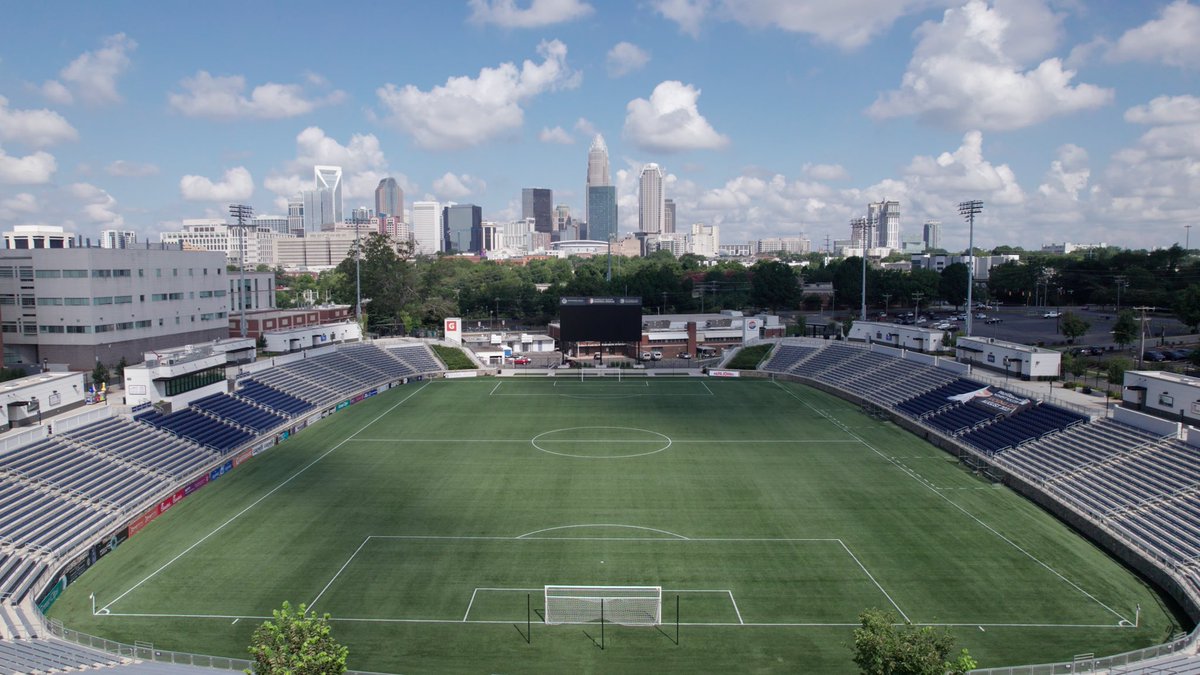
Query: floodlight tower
{"x": 243, "y": 214}
{"x": 969, "y": 210}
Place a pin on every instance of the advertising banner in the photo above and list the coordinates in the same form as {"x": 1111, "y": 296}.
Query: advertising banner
{"x": 139, "y": 523}
{"x": 237, "y": 461}
{"x": 453, "y": 328}
{"x": 343, "y": 404}
{"x": 195, "y": 485}
{"x": 52, "y": 595}
{"x": 994, "y": 400}
{"x": 358, "y": 398}
{"x": 724, "y": 373}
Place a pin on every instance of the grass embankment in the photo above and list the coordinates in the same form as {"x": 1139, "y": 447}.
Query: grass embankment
{"x": 748, "y": 358}
{"x": 454, "y": 358}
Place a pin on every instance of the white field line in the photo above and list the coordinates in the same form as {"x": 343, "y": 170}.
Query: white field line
{"x": 583, "y": 525}
{"x": 970, "y": 515}
{"x": 571, "y": 383}
{"x": 709, "y": 624}
{"x": 469, "y": 604}
{"x": 735, "y": 608}
{"x": 258, "y": 501}
{"x": 872, "y": 578}
{"x": 710, "y": 391}
{"x": 495, "y": 388}
{"x": 797, "y": 441}
{"x": 339, "y": 572}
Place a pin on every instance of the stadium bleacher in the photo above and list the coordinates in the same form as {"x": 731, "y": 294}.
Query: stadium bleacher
{"x": 199, "y": 428}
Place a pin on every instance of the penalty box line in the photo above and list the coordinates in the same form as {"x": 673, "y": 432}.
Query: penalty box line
{"x": 665, "y": 591}
{"x": 924, "y": 483}
{"x": 669, "y": 536}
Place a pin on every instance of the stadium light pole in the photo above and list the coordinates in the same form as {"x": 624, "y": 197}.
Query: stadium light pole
{"x": 242, "y": 213}
{"x": 969, "y": 210}
{"x": 864, "y": 279}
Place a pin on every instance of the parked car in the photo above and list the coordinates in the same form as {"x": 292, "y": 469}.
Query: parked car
{"x": 685, "y": 355}
{"x": 1052, "y": 314}
{"x": 942, "y": 326}
{"x": 655, "y": 355}
{"x": 981, "y": 315}
{"x": 1096, "y": 351}
{"x": 1153, "y": 356}
{"x": 993, "y": 319}
{"x": 522, "y": 361}
{"x": 1179, "y": 354}
{"x": 645, "y": 356}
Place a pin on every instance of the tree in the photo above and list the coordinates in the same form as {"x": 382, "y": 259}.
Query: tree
{"x": 1116, "y": 370}
{"x": 1187, "y": 306}
{"x": 100, "y": 374}
{"x": 773, "y": 285}
{"x": 1125, "y": 330}
{"x": 953, "y": 284}
{"x": 296, "y": 643}
{"x": 120, "y": 369}
{"x": 1073, "y": 326}
{"x": 883, "y": 648}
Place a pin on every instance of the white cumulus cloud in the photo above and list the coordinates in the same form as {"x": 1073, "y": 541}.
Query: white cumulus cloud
{"x": 687, "y": 14}
{"x": 849, "y": 24}
{"x": 626, "y": 57}
{"x": 236, "y": 185}
{"x": 1166, "y": 110}
{"x": 1169, "y": 39}
{"x": 670, "y": 121}
{"x": 128, "y": 169}
{"x": 969, "y": 71}
{"x": 28, "y": 170}
{"x": 223, "y": 97}
{"x": 98, "y": 206}
{"x": 539, "y": 13}
{"x": 825, "y": 172}
{"x": 92, "y": 76}
{"x": 362, "y": 160}
{"x": 469, "y": 111}
{"x": 451, "y": 186}
{"x": 36, "y": 128}
{"x": 556, "y": 135}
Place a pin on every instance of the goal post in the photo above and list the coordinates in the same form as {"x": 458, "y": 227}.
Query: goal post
{"x": 623, "y": 605}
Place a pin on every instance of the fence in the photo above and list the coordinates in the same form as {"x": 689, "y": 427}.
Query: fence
{"x": 1093, "y": 664}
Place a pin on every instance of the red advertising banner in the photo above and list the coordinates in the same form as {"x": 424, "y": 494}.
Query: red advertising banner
{"x": 237, "y": 461}
{"x": 174, "y": 499}
{"x": 143, "y": 520}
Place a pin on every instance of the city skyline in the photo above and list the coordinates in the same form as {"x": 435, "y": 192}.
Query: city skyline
{"x": 1071, "y": 121}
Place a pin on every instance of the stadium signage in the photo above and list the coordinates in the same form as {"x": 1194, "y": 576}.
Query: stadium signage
{"x": 724, "y": 373}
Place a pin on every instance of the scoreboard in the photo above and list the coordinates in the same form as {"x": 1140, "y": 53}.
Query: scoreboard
{"x": 613, "y": 319}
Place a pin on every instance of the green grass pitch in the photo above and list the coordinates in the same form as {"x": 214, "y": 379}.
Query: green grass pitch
{"x": 423, "y": 518}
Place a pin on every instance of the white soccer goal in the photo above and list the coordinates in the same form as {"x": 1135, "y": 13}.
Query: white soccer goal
{"x": 623, "y": 605}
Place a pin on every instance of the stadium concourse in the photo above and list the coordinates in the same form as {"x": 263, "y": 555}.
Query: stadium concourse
{"x": 69, "y": 497}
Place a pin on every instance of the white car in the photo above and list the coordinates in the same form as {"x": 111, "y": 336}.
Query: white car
{"x": 1051, "y": 315}
{"x": 942, "y": 326}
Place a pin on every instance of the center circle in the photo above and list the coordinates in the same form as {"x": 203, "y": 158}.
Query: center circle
{"x": 601, "y": 442}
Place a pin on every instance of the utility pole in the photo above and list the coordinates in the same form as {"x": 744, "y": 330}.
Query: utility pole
{"x": 864, "y": 280}
{"x": 1121, "y": 283}
{"x": 969, "y": 210}
{"x": 917, "y": 305}
{"x": 1142, "y": 335}
{"x": 242, "y": 213}
{"x": 886, "y": 297}
{"x": 1187, "y": 238}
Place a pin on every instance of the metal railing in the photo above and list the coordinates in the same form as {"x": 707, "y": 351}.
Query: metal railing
{"x": 143, "y": 652}
{"x": 1094, "y": 664}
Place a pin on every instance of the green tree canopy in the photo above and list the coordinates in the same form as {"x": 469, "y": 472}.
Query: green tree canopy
{"x": 296, "y": 643}
{"x": 773, "y": 284}
{"x": 1073, "y": 325}
{"x": 1187, "y": 307}
{"x": 1125, "y": 330}
{"x": 952, "y": 286}
{"x": 883, "y": 648}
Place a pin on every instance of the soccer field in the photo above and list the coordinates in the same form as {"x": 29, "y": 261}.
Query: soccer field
{"x": 426, "y": 520}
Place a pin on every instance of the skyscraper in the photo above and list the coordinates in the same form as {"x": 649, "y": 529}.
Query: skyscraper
{"x": 295, "y": 217}
{"x": 601, "y": 217}
{"x": 884, "y": 217}
{"x": 668, "y": 215}
{"x": 564, "y": 223}
{"x": 463, "y": 228}
{"x": 932, "y": 235}
{"x": 538, "y": 203}
{"x": 389, "y": 199}
{"x": 318, "y": 210}
{"x": 650, "y": 199}
{"x": 602, "y": 212}
{"x": 117, "y": 238}
{"x": 330, "y": 178}
{"x": 427, "y": 227}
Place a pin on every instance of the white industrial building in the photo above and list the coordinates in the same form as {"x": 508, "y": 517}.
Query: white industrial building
{"x": 26, "y": 400}
{"x": 916, "y": 338}
{"x": 1011, "y": 358}
{"x": 79, "y": 306}
{"x": 185, "y": 373}
{"x": 1169, "y": 395}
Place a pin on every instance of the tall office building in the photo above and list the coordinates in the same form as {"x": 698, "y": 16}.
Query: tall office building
{"x": 650, "y": 199}
{"x": 330, "y": 178}
{"x": 538, "y": 203}
{"x": 389, "y": 199}
{"x": 427, "y": 227}
{"x": 705, "y": 240}
{"x": 668, "y": 216}
{"x": 273, "y": 223}
{"x": 295, "y": 216}
{"x": 318, "y": 210}
{"x": 117, "y": 238}
{"x": 932, "y": 235}
{"x": 597, "y": 171}
{"x": 884, "y": 217}
{"x": 361, "y": 215}
{"x": 602, "y": 212}
{"x": 463, "y": 228}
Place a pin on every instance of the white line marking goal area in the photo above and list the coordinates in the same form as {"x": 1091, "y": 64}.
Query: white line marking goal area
{"x": 752, "y": 582}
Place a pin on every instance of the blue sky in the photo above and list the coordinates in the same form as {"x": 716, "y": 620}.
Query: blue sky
{"x": 1072, "y": 120}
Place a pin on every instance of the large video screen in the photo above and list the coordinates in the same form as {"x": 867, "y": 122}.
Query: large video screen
{"x": 600, "y": 319}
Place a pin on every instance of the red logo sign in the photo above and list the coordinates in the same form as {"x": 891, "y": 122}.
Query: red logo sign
{"x": 451, "y": 325}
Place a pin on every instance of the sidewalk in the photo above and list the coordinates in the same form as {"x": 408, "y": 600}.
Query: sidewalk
{"x": 1050, "y": 392}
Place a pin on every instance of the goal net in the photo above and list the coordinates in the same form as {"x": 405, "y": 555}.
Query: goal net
{"x": 623, "y": 605}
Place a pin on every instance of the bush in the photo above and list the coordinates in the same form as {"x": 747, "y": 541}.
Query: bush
{"x": 453, "y": 357}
